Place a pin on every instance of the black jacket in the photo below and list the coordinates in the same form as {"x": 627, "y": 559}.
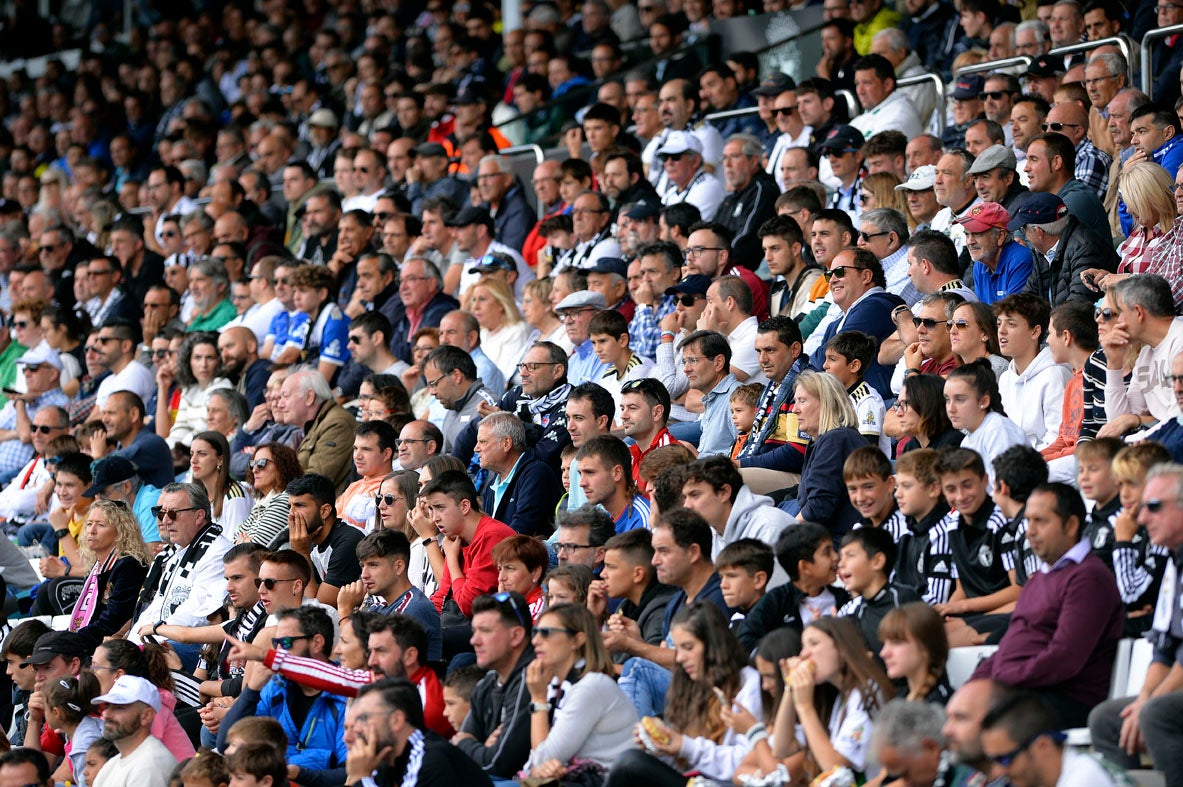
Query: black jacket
{"x": 649, "y": 614}
{"x": 743, "y": 212}
{"x": 780, "y": 607}
{"x": 868, "y": 613}
{"x": 1079, "y": 249}
{"x": 528, "y": 504}
{"x": 429, "y": 761}
{"x": 500, "y": 705}
{"x": 118, "y": 588}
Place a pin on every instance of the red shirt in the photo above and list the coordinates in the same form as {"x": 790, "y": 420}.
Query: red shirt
{"x": 662, "y": 438}
{"x": 480, "y": 573}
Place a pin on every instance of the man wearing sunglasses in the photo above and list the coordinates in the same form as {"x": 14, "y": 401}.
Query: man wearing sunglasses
{"x": 1092, "y": 164}
{"x": 1025, "y": 748}
{"x": 42, "y": 369}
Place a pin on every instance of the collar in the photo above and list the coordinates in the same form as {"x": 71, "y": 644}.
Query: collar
{"x": 952, "y": 284}
{"x": 503, "y": 481}
{"x": 980, "y": 518}
{"x": 926, "y": 522}
{"x": 1074, "y": 555}
{"x": 894, "y": 257}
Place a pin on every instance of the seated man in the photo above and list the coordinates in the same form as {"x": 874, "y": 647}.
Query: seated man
{"x": 325, "y": 541}
{"x": 42, "y": 369}
{"x": 605, "y": 476}
{"x": 521, "y": 490}
{"x": 373, "y": 450}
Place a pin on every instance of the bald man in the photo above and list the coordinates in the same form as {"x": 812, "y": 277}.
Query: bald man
{"x": 239, "y": 349}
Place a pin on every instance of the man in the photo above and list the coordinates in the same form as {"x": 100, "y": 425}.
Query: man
{"x": 884, "y": 232}
{"x": 624, "y": 180}
{"x": 521, "y": 491}
{"x": 238, "y": 347}
{"x": 921, "y": 151}
{"x": 389, "y": 739}
{"x": 783, "y": 242}
{"x": 953, "y": 187}
{"x": 1104, "y": 77}
{"x": 1118, "y": 112}
{"x": 375, "y": 274}
{"x": 306, "y": 402}
{"x": 661, "y": 268}
{"x": 18, "y": 500}
{"x": 706, "y": 360}
{"x": 496, "y": 734}
{"x": 418, "y": 442}
{"x": 128, "y": 711}
{"x": 708, "y": 253}
{"x": 321, "y": 537}
{"x": 264, "y": 303}
{"x": 299, "y": 178}
{"x": 1001, "y": 91}
{"x": 1148, "y": 317}
{"x": 576, "y": 311}
{"x": 590, "y": 412}
{"x": 185, "y": 582}
{"x": 908, "y": 743}
{"x": 920, "y": 197}
{"x": 1043, "y": 77}
{"x": 932, "y": 265}
{"x": 1092, "y": 164}
{"x": 116, "y": 478}
{"x": 967, "y": 106}
{"x": 166, "y": 197}
{"x": 1073, "y": 596}
{"x": 679, "y": 103}
{"x": 369, "y": 344}
{"x": 996, "y": 178}
{"x": 1026, "y": 122}
{"x": 209, "y": 290}
{"x": 421, "y": 304}
{"x": 1051, "y": 161}
{"x": 428, "y": 177}
{"x": 42, "y": 369}
{"x": 452, "y": 378}
{"x": 322, "y": 212}
{"x": 503, "y": 196}
{"x": 123, "y": 421}
{"x": 1021, "y": 737}
{"x": 842, "y": 149}
{"x": 721, "y": 93}
{"x": 115, "y": 345}
{"x": 25, "y": 766}
{"x": 644, "y": 413}
{"x": 107, "y": 299}
{"x": 55, "y": 655}
{"x": 1002, "y": 266}
{"x": 729, "y": 312}
{"x": 751, "y": 194}
{"x": 373, "y": 452}
{"x": 838, "y": 54}
{"x": 884, "y": 107}
{"x": 606, "y": 478}
{"x": 581, "y": 534}
{"x": 1068, "y": 247}
{"x": 686, "y": 180}
{"x": 892, "y": 44}
{"x": 1154, "y": 132}
{"x": 369, "y": 177}
{"x": 963, "y": 721}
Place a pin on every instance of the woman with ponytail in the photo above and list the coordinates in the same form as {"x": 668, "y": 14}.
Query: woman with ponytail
{"x": 975, "y": 407}
{"x": 915, "y": 649}
{"x": 117, "y": 657}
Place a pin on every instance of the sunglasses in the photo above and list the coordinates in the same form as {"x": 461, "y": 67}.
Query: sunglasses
{"x": 389, "y": 500}
{"x": 688, "y": 300}
{"x": 1005, "y": 760}
{"x": 42, "y": 429}
{"x": 927, "y": 322}
{"x": 270, "y": 582}
{"x": 162, "y": 514}
{"x": 784, "y": 111}
{"x": 1105, "y": 315}
{"x": 286, "y": 642}
{"x": 675, "y": 157}
{"x": 994, "y": 95}
{"x": 866, "y": 237}
{"x": 504, "y": 597}
{"x": 1154, "y": 506}
{"x": 258, "y": 464}
{"x": 547, "y": 631}
{"x": 1059, "y": 126}
{"x": 840, "y": 271}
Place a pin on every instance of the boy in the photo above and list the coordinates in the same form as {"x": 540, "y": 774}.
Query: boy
{"x": 871, "y": 487}
{"x": 18, "y": 646}
{"x": 743, "y": 413}
{"x": 384, "y": 556}
{"x": 1032, "y": 387}
{"x": 1094, "y": 478}
{"x": 745, "y": 566}
{"x": 458, "y": 686}
{"x": 256, "y": 765}
{"x": 665, "y": 494}
{"x": 1072, "y": 338}
{"x": 925, "y": 562}
{"x": 319, "y": 331}
{"x": 565, "y": 459}
{"x": 608, "y": 331}
{"x": 864, "y": 565}
{"x": 628, "y": 574}
{"x": 1018, "y": 471}
{"x": 848, "y": 355}
{"x": 982, "y": 546}
{"x": 806, "y": 552}
{"x": 254, "y": 730}
{"x": 71, "y": 477}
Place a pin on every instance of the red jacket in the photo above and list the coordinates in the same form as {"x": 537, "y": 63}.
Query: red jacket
{"x": 480, "y": 573}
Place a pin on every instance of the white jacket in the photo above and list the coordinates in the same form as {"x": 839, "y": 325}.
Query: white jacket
{"x": 894, "y": 113}
{"x": 1035, "y": 399}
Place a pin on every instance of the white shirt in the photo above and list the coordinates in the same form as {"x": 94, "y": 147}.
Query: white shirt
{"x": 743, "y": 347}
{"x": 782, "y": 145}
{"x": 894, "y": 113}
{"x": 135, "y": 377}
{"x": 200, "y": 593}
{"x": 704, "y": 192}
{"x": 1150, "y": 388}
{"x": 149, "y": 765}
{"x": 366, "y": 202}
{"x": 258, "y": 318}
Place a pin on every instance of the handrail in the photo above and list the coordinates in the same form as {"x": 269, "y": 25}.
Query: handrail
{"x": 515, "y": 150}
{"x": 1085, "y": 46}
{"x": 1153, "y": 35}
{"x": 724, "y": 114}
{"x": 852, "y": 105}
{"x": 992, "y": 65}
{"x": 940, "y": 86}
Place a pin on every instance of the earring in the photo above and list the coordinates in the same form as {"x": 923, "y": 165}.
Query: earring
{"x": 980, "y": 407}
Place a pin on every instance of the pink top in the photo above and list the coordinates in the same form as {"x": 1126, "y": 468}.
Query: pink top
{"x": 166, "y": 727}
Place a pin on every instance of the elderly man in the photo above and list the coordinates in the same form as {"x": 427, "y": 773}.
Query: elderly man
{"x": 686, "y": 180}
{"x": 502, "y": 194}
{"x": 1092, "y": 164}
{"x": 522, "y": 491}
{"x": 128, "y": 711}
{"x": 209, "y": 290}
{"x": 908, "y": 743}
{"x": 545, "y": 181}
{"x": 1032, "y": 38}
{"x": 953, "y": 187}
{"x": 452, "y": 378}
{"x": 421, "y": 304}
{"x": 1001, "y": 265}
{"x": 42, "y": 370}
{"x": 306, "y": 401}
{"x": 920, "y": 197}
{"x": 1118, "y": 113}
{"x": 751, "y": 195}
{"x": 892, "y": 44}
{"x": 576, "y": 311}
{"x": 591, "y": 218}
{"x": 996, "y": 178}
{"x": 1068, "y": 250}
{"x": 418, "y": 442}
{"x": 186, "y": 582}
{"x": 1051, "y": 162}
{"x": 884, "y": 107}
{"x": 19, "y": 497}
{"x": 1104, "y": 77}
{"x": 884, "y": 233}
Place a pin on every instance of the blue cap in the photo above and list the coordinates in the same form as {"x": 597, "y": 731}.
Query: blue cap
{"x": 609, "y": 265}
{"x": 1039, "y": 208}
{"x": 694, "y": 284}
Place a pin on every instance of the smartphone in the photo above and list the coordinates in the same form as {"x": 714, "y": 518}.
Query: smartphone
{"x": 6, "y": 389}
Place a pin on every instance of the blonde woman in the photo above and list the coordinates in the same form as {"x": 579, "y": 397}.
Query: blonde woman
{"x": 878, "y": 191}
{"x": 503, "y": 331}
{"x": 1146, "y": 189}
{"x": 825, "y": 414}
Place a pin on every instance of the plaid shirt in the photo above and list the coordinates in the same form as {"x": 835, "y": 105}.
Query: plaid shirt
{"x": 13, "y": 453}
{"x": 644, "y": 332}
{"x": 1167, "y": 261}
{"x": 1092, "y": 167}
{"x": 1138, "y": 249}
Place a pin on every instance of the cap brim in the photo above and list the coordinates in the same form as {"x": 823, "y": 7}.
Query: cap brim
{"x": 1017, "y": 223}
{"x": 37, "y": 660}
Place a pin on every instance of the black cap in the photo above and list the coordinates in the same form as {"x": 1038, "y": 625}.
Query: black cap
{"x": 494, "y": 261}
{"x": 9, "y": 207}
{"x": 429, "y": 149}
{"x": 609, "y": 265}
{"x": 110, "y": 470}
{"x": 1046, "y": 66}
{"x": 66, "y": 644}
{"x": 471, "y": 94}
{"x": 842, "y": 138}
{"x": 774, "y": 84}
{"x": 694, "y": 284}
{"x": 471, "y": 215}
{"x": 643, "y": 209}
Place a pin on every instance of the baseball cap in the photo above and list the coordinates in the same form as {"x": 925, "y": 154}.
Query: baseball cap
{"x": 644, "y": 209}
{"x": 494, "y": 261}
{"x": 471, "y": 215}
{"x": 609, "y": 265}
{"x": 429, "y": 149}
{"x": 694, "y": 284}
{"x": 774, "y": 84}
{"x": 994, "y": 157}
{"x": 678, "y": 142}
{"x": 921, "y": 179}
{"x": 129, "y": 689}
{"x": 325, "y": 118}
{"x": 1046, "y": 66}
{"x": 39, "y": 355}
{"x": 1039, "y": 208}
{"x": 985, "y": 216}
{"x": 110, "y": 470}
{"x": 842, "y": 138}
{"x": 584, "y": 299}
{"x": 66, "y": 644}
{"x": 968, "y": 86}
{"x": 471, "y": 94}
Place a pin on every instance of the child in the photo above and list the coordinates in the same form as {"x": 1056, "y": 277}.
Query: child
{"x": 665, "y": 488}
{"x": 743, "y": 413}
{"x": 558, "y": 232}
{"x": 207, "y": 769}
{"x": 318, "y": 333}
{"x": 256, "y": 729}
{"x": 257, "y": 764}
{"x": 744, "y": 567}
{"x": 608, "y": 331}
{"x": 864, "y": 565}
{"x": 567, "y": 583}
{"x": 1033, "y": 386}
{"x": 68, "y": 711}
{"x": 458, "y": 686}
{"x": 1017, "y": 472}
{"x": 1072, "y": 338}
{"x": 628, "y": 574}
{"x": 982, "y": 546}
{"x": 71, "y": 478}
{"x": 871, "y": 487}
{"x": 97, "y": 755}
{"x": 925, "y": 562}
{"x": 1138, "y": 564}
{"x": 565, "y": 459}
{"x": 1096, "y": 481}
{"x": 806, "y": 552}
{"x": 848, "y": 355}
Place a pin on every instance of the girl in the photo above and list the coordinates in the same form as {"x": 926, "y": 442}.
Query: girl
{"x": 915, "y": 649}
{"x": 117, "y": 657}
{"x": 568, "y": 583}
{"x": 974, "y": 406}
{"x": 97, "y": 756}
{"x": 69, "y": 712}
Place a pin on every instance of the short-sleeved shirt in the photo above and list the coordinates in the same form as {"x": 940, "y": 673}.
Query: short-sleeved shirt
{"x": 324, "y": 340}
{"x": 335, "y": 559}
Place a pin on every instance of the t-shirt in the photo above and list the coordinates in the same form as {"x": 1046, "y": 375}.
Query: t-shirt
{"x": 335, "y": 559}
{"x": 324, "y": 340}
{"x": 135, "y": 377}
{"x": 850, "y": 729}
{"x": 150, "y": 765}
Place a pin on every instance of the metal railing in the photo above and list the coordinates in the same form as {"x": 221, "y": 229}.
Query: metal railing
{"x": 1086, "y": 46}
{"x": 939, "y": 84}
{"x": 992, "y": 65}
{"x": 1149, "y": 38}
{"x": 725, "y": 114}
{"x": 852, "y": 105}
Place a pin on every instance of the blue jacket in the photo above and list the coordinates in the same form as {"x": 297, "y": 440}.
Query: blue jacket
{"x": 1169, "y": 156}
{"x": 528, "y": 503}
{"x": 317, "y": 745}
{"x": 515, "y": 218}
{"x": 872, "y": 316}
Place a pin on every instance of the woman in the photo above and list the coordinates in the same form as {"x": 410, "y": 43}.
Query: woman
{"x": 521, "y": 564}
{"x": 777, "y": 645}
{"x": 538, "y": 311}
{"x": 1096, "y": 423}
{"x": 826, "y": 416}
{"x": 835, "y": 688}
{"x": 350, "y": 651}
{"x": 397, "y": 495}
{"x": 424, "y": 406}
{"x": 427, "y": 565}
{"x": 199, "y": 372}
{"x": 973, "y": 335}
{"x": 974, "y": 406}
{"x": 116, "y": 559}
{"x": 710, "y": 670}
{"x": 225, "y": 413}
{"x": 209, "y": 465}
{"x": 577, "y": 712}
{"x": 65, "y": 330}
{"x": 503, "y": 331}
{"x": 115, "y": 658}
{"x": 920, "y": 410}
{"x": 1147, "y": 190}
{"x": 269, "y": 472}
{"x": 878, "y": 191}
{"x": 915, "y": 649}
{"x": 262, "y": 427}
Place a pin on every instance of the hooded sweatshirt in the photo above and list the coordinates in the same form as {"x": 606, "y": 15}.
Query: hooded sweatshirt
{"x": 1034, "y": 399}
{"x": 753, "y": 516}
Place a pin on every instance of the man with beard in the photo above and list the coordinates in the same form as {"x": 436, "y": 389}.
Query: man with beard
{"x": 451, "y": 376}
{"x": 239, "y": 349}
{"x": 128, "y": 711}
{"x": 963, "y": 721}
{"x": 209, "y": 288}
{"x": 623, "y": 180}
{"x": 317, "y": 533}
{"x": 322, "y": 212}
{"x": 355, "y": 232}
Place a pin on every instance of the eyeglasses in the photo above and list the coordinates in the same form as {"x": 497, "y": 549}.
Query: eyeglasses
{"x": 1059, "y": 126}
{"x": 1006, "y": 759}
{"x": 43, "y": 429}
{"x": 694, "y": 252}
{"x": 688, "y": 299}
{"x": 900, "y": 405}
{"x": 994, "y": 95}
{"x": 561, "y": 547}
{"x": 546, "y": 632}
{"x": 433, "y": 383}
{"x": 533, "y": 366}
{"x": 389, "y": 500}
{"x": 784, "y": 111}
{"x": 1098, "y": 80}
{"x": 162, "y": 514}
{"x": 286, "y": 642}
{"x": 505, "y": 596}
{"x": 960, "y": 325}
{"x": 1105, "y": 315}
{"x": 1165, "y": 7}
{"x": 927, "y": 322}
{"x": 362, "y": 170}
{"x": 840, "y": 271}
{"x": 18, "y": 324}
{"x": 168, "y": 233}
{"x": 269, "y": 582}
{"x": 407, "y": 441}
{"x": 571, "y": 315}
{"x": 866, "y": 237}
{"x": 258, "y": 464}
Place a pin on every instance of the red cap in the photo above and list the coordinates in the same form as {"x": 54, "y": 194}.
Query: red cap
{"x": 985, "y": 216}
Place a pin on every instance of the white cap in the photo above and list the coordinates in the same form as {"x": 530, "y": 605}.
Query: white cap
{"x": 39, "y": 355}
{"x": 129, "y": 689}
{"x": 920, "y": 180}
{"x": 679, "y": 142}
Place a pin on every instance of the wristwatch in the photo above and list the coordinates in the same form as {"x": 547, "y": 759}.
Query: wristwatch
{"x": 65, "y": 531}
{"x": 539, "y": 707}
